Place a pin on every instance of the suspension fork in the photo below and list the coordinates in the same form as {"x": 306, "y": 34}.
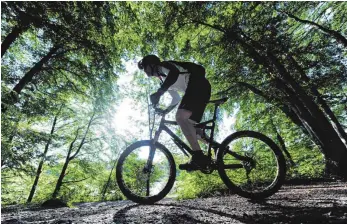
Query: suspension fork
{"x": 152, "y": 148}
{"x": 149, "y": 165}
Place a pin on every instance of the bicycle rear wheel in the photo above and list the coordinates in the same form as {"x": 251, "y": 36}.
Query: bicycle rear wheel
{"x": 144, "y": 180}
{"x": 251, "y": 164}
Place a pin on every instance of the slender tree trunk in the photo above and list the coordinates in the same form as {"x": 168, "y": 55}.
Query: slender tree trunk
{"x": 284, "y": 148}
{"x": 63, "y": 171}
{"x": 61, "y": 176}
{"x": 11, "y": 37}
{"x": 282, "y": 143}
{"x": 104, "y": 190}
{"x": 70, "y": 157}
{"x": 39, "y": 169}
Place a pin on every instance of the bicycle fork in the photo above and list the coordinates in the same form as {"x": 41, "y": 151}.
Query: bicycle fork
{"x": 149, "y": 166}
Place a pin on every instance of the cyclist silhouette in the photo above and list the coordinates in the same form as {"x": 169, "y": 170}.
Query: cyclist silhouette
{"x": 189, "y": 79}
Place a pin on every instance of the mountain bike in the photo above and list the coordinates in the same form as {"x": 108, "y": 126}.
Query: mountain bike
{"x": 249, "y": 163}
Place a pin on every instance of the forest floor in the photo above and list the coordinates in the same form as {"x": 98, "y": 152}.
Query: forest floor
{"x": 314, "y": 203}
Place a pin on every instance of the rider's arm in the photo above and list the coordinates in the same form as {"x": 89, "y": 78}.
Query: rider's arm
{"x": 171, "y": 78}
{"x": 175, "y": 97}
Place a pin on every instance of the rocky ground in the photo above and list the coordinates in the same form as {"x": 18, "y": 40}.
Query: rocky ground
{"x": 316, "y": 203}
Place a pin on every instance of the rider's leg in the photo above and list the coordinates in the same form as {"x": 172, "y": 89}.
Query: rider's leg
{"x": 201, "y": 135}
{"x": 188, "y": 129}
{"x": 190, "y": 111}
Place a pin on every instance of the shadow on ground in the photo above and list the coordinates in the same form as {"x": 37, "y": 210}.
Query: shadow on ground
{"x": 265, "y": 212}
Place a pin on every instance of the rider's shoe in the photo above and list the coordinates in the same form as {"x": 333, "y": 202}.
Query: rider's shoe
{"x": 197, "y": 162}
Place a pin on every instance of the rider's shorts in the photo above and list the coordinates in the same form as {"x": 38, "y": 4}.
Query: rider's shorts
{"x": 197, "y": 95}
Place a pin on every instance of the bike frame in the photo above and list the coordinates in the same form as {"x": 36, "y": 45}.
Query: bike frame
{"x": 180, "y": 144}
{"x": 185, "y": 148}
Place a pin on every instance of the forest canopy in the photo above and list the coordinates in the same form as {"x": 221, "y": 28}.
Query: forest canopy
{"x": 283, "y": 66}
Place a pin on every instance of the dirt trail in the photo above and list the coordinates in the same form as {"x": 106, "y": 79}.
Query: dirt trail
{"x": 319, "y": 203}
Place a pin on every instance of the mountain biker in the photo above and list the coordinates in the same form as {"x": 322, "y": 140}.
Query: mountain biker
{"x": 187, "y": 78}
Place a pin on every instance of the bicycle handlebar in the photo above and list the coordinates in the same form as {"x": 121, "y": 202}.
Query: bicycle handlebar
{"x": 163, "y": 111}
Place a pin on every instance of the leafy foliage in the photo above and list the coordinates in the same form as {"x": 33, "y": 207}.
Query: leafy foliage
{"x": 282, "y": 64}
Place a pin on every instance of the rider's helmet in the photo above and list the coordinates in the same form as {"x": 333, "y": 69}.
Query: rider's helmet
{"x": 148, "y": 60}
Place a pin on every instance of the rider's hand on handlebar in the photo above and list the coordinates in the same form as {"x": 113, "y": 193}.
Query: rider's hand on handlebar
{"x": 160, "y": 111}
{"x": 155, "y": 98}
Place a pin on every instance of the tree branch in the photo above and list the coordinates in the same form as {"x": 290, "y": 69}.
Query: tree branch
{"x": 84, "y": 137}
{"x": 74, "y": 181}
{"x": 216, "y": 27}
{"x": 66, "y": 51}
{"x": 73, "y": 142}
{"x": 339, "y": 37}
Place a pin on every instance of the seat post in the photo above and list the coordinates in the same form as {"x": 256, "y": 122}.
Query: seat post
{"x": 212, "y": 129}
{"x": 215, "y": 111}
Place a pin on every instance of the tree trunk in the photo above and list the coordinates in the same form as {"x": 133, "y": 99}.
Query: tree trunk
{"x": 282, "y": 143}
{"x": 320, "y": 100}
{"x": 39, "y": 169}
{"x": 104, "y": 190}
{"x": 61, "y": 176}
{"x": 294, "y": 103}
{"x": 283, "y": 107}
{"x": 333, "y": 147}
{"x": 63, "y": 171}
{"x": 307, "y": 110}
{"x": 304, "y": 106}
{"x": 284, "y": 148}
{"x": 13, "y": 97}
{"x": 34, "y": 70}
{"x": 11, "y": 37}
{"x": 298, "y": 109}
{"x": 70, "y": 157}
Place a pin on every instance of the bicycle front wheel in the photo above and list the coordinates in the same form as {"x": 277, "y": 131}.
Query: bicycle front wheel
{"x": 145, "y": 172}
{"x": 251, "y": 164}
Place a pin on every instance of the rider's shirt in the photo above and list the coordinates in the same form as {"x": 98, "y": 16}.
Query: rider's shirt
{"x": 182, "y": 81}
{"x": 179, "y": 86}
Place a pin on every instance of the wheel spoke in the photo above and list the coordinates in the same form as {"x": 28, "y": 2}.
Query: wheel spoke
{"x": 233, "y": 166}
{"x": 145, "y": 174}
{"x": 250, "y": 166}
